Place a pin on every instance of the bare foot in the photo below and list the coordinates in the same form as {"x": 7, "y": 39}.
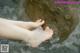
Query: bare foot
{"x": 39, "y": 23}
{"x": 30, "y": 25}
{"x": 48, "y": 33}
{"x": 40, "y": 36}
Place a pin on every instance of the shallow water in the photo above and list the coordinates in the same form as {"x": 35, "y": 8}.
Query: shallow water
{"x": 10, "y": 10}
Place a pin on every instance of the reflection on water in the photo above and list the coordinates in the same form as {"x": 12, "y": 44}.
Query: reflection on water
{"x": 10, "y": 9}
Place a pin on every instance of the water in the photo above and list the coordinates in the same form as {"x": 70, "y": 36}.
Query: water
{"x": 9, "y": 9}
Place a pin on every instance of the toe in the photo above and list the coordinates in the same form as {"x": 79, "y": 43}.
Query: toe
{"x": 42, "y": 22}
{"x": 47, "y": 28}
{"x": 38, "y": 20}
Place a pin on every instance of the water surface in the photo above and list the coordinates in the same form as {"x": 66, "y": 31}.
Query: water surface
{"x": 10, "y": 9}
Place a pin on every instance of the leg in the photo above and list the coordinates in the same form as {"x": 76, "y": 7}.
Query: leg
{"x": 10, "y": 31}
{"x": 34, "y": 38}
{"x": 26, "y": 25}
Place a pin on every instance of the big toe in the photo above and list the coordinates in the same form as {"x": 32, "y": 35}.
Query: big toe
{"x": 49, "y": 32}
{"x": 38, "y": 20}
{"x": 39, "y": 23}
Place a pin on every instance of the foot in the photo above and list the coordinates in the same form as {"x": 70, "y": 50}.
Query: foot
{"x": 38, "y": 23}
{"x": 48, "y": 33}
{"x": 29, "y": 25}
{"x": 40, "y": 36}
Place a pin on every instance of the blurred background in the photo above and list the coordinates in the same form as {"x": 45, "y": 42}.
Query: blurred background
{"x": 64, "y": 19}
